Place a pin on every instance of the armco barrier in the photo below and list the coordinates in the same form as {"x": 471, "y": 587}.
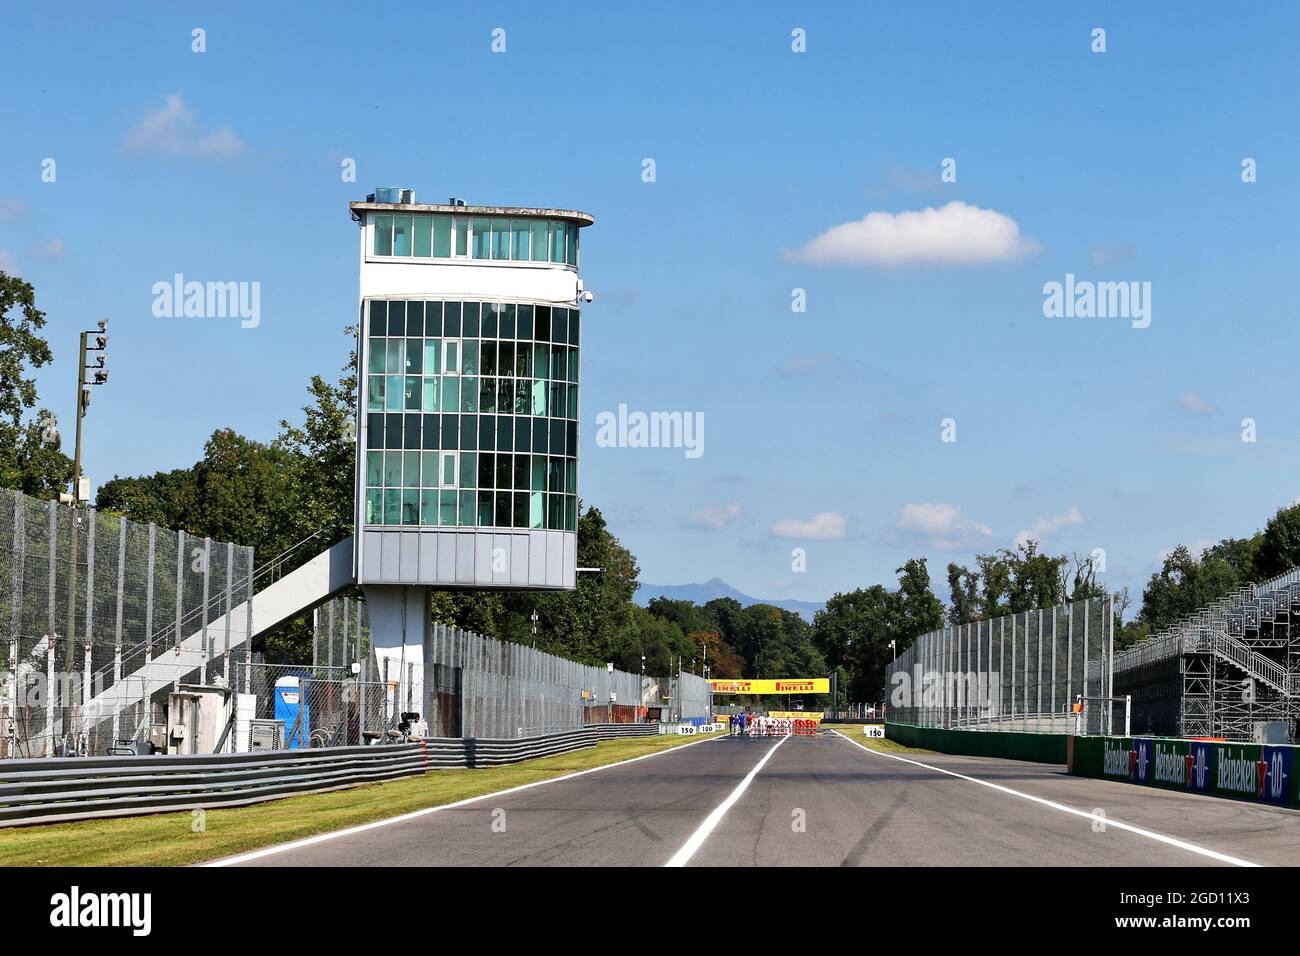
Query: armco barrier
{"x": 1256, "y": 772}
{"x": 82, "y": 788}
{"x": 1042, "y": 748}
{"x": 613, "y": 731}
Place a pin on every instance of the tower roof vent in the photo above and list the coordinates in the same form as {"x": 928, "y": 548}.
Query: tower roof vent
{"x": 393, "y": 194}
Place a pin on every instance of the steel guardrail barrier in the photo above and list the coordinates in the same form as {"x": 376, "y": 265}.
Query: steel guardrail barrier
{"x": 615, "y": 731}
{"x": 83, "y": 788}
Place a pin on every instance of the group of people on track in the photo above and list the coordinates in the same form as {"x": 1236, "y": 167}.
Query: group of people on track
{"x": 757, "y": 725}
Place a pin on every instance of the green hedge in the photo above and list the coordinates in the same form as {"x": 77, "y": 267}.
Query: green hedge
{"x": 1042, "y": 748}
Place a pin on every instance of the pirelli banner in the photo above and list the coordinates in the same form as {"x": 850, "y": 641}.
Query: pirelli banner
{"x": 812, "y": 715}
{"x": 792, "y": 685}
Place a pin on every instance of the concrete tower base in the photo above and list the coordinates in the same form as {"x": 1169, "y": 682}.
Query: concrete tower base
{"x": 401, "y": 632}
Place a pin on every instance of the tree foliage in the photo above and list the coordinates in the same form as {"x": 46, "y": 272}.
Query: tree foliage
{"x": 31, "y": 455}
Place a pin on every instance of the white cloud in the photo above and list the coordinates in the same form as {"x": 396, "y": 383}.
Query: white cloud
{"x": 52, "y": 249}
{"x": 710, "y": 518}
{"x": 11, "y": 210}
{"x": 823, "y": 526}
{"x": 1191, "y": 402}
{"x": 1110, "y": 253}
{"x": 900, "y": 178}
{"x": 174, "y": 130}
{"x": 939, "y": 525}
{"x": 1049, "y": 525}
{"x": 952, "y": 234}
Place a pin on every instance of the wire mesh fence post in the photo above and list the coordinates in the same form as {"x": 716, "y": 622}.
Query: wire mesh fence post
{"x": 330, "y": 632}
{"x": 180, "y": 586}
{"x": 117, "y": 624}
{"x": 953, "y": 667}
{"x": 1109, "y": 610}
{"x": 1087, "y": 691}
{"x": 51, "y": 685}
{"x": 248, "y": 601}
{"x": 348, "y": 657}
{"x": 149, "y": 592}
{"x": 49, "y": 694}
{"x": 994, "y": 700}
{"x": 1069, "y": 654}
{"x": 1052, "y": 706}
{"x": 207, "y": 584}
{"x": 363, "y": 673}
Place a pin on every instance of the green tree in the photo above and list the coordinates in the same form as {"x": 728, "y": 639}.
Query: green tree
{"x": 1278, "y": 548}
{"x": 856, "y": 629}
{"x": 322, "y": 456}
{"x": 31, "y": 456}
{"x": 853, "y": 633}
{"x": 1184, "y": 584}
{"x": 1085, "y": 585}
{"x": 687, "y": 615}
{"x": 660, "y": 640}
{"x": 724, "y": 662}
{"x": 963, "y": 586}
{"x": 919, "y": 610}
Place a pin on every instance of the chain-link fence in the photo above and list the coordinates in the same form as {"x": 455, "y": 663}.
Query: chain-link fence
{"x": 323, "y": 706}
{"x": 88, "y": 598}
{"x": 1019, "y": 672}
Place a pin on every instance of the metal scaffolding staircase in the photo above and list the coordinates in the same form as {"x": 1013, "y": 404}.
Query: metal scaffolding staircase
{"x": 280, "y": 600}
{"x": 1241, "y": 659}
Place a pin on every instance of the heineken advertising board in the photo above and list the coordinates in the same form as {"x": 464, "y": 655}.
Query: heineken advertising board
{"x": 1242, "y": 771}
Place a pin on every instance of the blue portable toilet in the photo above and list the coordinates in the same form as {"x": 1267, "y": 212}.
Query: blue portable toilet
{"x": 291, "y": 707}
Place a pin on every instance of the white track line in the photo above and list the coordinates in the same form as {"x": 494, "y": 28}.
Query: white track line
{"x": 697, "y": 839}
{"x": 1105, "y": 820}
{"x": 361, "y": 828}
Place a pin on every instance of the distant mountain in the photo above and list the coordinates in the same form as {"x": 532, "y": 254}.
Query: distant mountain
{"x": 718, "y": 588}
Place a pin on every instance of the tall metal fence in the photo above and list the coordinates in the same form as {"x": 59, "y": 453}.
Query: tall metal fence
{"x": 505, "y": 689}
{"x": 1020, "y": 672}
{"x": 694, "y": 694}
{"x": 86, "y": 598}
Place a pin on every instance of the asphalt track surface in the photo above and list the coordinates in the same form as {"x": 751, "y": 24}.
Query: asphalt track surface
{"x": 819, "y": 801}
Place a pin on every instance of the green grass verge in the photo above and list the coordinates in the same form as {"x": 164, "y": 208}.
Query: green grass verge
{"x": 169, "y": 839}
{"x": 882, "y": 744}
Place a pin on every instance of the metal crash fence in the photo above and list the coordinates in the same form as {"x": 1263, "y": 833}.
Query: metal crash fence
{"x": 103, "y": 618}
{"x": 1032, "y": 671}
{"x": 88, "y": 598}
{"x": 505, "y": 689}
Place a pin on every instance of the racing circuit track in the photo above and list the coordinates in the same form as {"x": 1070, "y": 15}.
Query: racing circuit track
{"x": 739, "y": 802}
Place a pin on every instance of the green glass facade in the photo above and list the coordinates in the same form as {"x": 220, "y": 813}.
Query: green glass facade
{"x": 471, "y": 414}
{"x": 426, "y": 236}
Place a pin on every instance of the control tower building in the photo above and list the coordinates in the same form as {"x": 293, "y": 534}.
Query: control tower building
{"x": 467, "y": 451}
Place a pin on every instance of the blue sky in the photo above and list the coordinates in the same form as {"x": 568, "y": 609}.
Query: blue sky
{"x": 822, "y": 428}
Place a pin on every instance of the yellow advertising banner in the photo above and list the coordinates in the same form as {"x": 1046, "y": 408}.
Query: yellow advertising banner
{"x": 812, "y": 715}
{"x": 792, "y": 685}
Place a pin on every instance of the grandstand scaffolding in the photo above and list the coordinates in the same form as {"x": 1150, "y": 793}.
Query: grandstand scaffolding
{"x": 1227, "y": 671}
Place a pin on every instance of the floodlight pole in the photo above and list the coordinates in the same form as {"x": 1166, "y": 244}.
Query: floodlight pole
{"x": 83, "y": 400}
